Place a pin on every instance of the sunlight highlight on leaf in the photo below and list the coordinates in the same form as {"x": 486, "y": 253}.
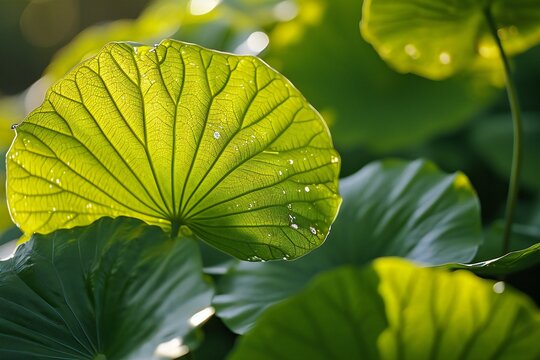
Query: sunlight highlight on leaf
{"x": 178, "y": 136}
{"x": 437, "y": 39}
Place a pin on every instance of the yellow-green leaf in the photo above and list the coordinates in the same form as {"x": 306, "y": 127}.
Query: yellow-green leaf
{"x": 396, "y": 310}
{"x": 190, "y": 139}
{"x": 438, "y": 38}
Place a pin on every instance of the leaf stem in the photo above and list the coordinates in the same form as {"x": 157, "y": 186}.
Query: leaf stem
{"x": 513, "y": 187}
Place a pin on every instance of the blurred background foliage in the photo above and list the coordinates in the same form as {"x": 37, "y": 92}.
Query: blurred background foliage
{"x": 461, "y": 123}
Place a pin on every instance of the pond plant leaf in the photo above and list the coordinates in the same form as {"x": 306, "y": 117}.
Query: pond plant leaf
{"x": 393, "y": 309}
{"x": 438, "y": 38}
{"x": 196, "y": 141}
{"x": 115, "y": 289}
{"x": 390, "y": 208}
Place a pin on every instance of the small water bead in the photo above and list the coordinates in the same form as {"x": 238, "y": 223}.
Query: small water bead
{"x": 313, "y": 230}
{"x": 499, "y": 287}
{"x": 307, "y": 189}
{"x": 334, "y": 159}
{"x": 89, "y": 205}
{"x": 291, "y": 161}
{"x": 294, "y": 226}
{"x": 280, "y": 172}
{"x": 217, "y": 135}
{"x": 412, "y": 51}
{"x": 445, "y": 58}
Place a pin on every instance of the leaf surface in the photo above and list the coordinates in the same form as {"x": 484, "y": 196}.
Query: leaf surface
{"x": 438, "y": 38}
{"x": 182, "y": 137}
{"x": 393, "y": 309}
{"x": 390, "y": 208}
{"x": 366, "y": 103}
{"x": 116, "y": 288}
{"x": 511, "y": 262}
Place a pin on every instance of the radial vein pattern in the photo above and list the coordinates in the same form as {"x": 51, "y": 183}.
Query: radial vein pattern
{"x": 183, "y": 137}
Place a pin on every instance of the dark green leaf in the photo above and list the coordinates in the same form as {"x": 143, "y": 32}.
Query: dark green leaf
{"x": 395, "y": 310}
{"x": 390, "y": 208}
{"x": 509, "y": 263}
{"x": 116, "y": 288}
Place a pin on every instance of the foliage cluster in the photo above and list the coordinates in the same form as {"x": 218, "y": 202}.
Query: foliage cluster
{"x": 170, "y": 200}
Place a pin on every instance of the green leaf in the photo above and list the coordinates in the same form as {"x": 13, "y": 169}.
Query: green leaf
{"x": 118, "y": 288}
{"x": 393, "y": 310}
{"x": 5, "y": 220}
{"x": 504, "y": 265}
{"x": 390, "y": 208}
{"x": 493, "y": 139}
{"x": 182, "y": 137}
{"x": 438, "y": 38}
{"x": 366, "y": 103}
{"x": 522, "y": 236}
{"x": 524, "y": 251}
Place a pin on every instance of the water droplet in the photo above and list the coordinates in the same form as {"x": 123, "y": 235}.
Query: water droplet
{"x": 291, "y": 161}
{"x": 313, "y": 230}
{"x": 57, "y": 181}
{"x": 445, "y": 58}
{"x": 217, "y": 135}
{"x": 53, "y": 209}
{"x": 89, "y": 205}
{"x": 306, "y": 188}
{"x": 334, "y": 159}
{"x": 289, "y": 206}
{"x": 412, "y": 51}
{"x": 499, "y": 287}
{"x": 294, "y": 226}
{"x": 280, "y": 172}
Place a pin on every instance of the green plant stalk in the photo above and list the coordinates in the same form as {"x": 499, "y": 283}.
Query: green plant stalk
{"x": 513, "y": 187}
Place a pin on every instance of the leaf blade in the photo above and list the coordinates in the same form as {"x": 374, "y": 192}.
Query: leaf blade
{"x": 178, "y": 135}
{"x": 118, "y": 287}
